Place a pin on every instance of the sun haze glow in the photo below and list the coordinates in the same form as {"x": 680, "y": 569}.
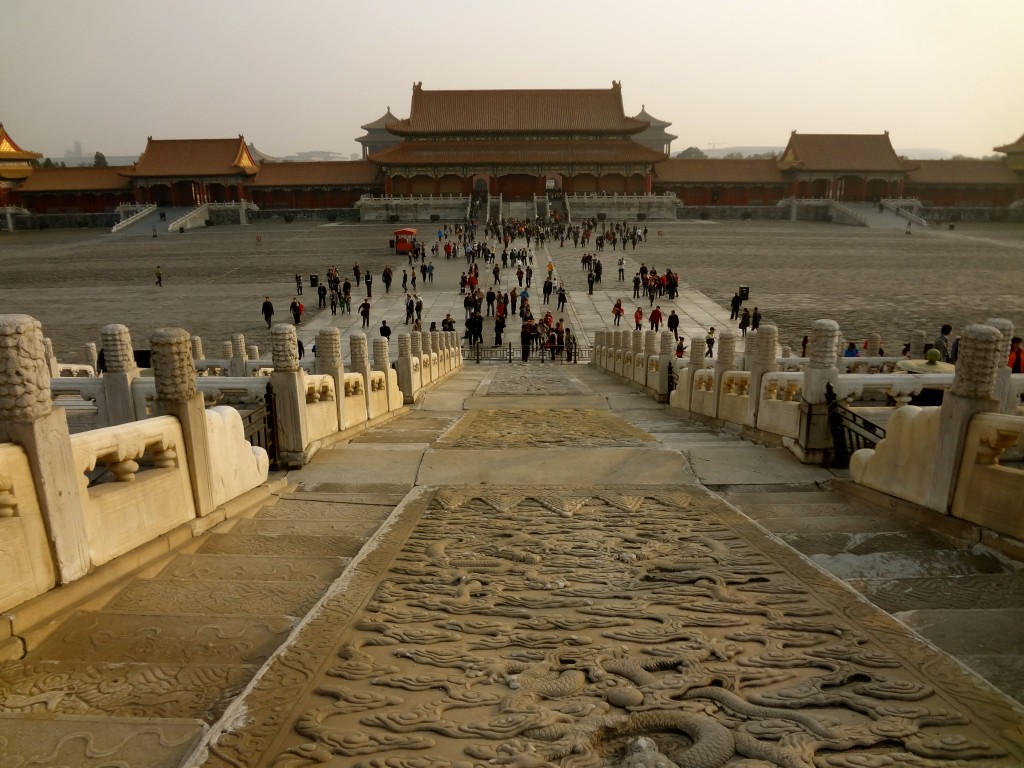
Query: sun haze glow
{"x": 305, "y": 75}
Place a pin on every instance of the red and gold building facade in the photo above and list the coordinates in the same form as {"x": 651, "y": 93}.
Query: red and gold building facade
{"x": 515, "y": 143}
{"x": 512, "y": 143}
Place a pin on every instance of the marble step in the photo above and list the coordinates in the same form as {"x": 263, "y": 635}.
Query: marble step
{"x": 219, "y": 567}
{"x": 856, "y": 543}
{"x": 121, "y": 689}
{"x": 58, "y": 740}
{"x": 217, "y": 597}
{"x": 956, "y": 631}
{"x": 285, "y": 545}
{"x": 908, "y": 564}
{"x": 105, "y": 636}
{"x": 983, "y": 591}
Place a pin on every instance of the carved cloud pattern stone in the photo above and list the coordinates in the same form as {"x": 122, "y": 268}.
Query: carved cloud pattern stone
{"x": 484, "y": 629}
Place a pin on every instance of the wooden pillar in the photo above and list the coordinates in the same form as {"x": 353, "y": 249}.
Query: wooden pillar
{"x": 388, "y": 185}
{"x": 598, "y": 186}
{"x": 648, "y": 183}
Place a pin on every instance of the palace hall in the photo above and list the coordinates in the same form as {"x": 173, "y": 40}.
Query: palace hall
{"x": 516, "y": 144}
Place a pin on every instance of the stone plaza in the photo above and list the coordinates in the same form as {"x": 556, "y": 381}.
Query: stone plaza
{"x": 530, "y": 565}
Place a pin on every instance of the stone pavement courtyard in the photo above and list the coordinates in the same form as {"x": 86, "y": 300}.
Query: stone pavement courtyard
{"x": 533, "y": 566}
{"x": 215, "y": 279}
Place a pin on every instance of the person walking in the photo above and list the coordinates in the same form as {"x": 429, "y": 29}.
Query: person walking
{"x": 755, "y": 319}
{"x": 364, "y": 312}
{"x": 638, "y": 319}
{"x": 368, "y": 280}
{"x": 159, "y": 277}
{"x": 709, "y": 341}
{"x": 385, "y": 329}
{"x": 267, "y": 311}
{"x": 296, "y": 309}
{"x": 673, "y": 324}
{"x": 734, "y": 305}
{"x": 298, "y": 283}
{"x": 744, "y": 321}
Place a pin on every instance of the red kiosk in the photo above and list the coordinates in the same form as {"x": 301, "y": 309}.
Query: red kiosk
{"x": 403, "y": 239}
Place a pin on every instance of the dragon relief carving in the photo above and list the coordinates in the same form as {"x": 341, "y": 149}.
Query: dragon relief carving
{"x": 499, "y": 636}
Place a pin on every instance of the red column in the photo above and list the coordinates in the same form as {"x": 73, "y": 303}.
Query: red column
{"x": 387, "y": 185}
{"x": 437, "y": 187}
{"x": 598, "y": 184}
{"x": 648, "y": 183}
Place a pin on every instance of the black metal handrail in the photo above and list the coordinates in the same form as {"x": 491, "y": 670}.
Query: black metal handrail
{"x": 258, "y": 426}
{"x": 850, "y": 431}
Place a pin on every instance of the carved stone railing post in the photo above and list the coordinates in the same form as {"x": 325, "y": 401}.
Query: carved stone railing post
{"x": 456, "y": 347}
{"x": 917, "y": 345}
{"x": 382, "y": 364}
{"x": 762, "y": 361}
{"x": 1003, "y": 393}
{"x": 666, "y": 357}
{"x": 239, "y": 358}
{"x": 874, "y": 345}
{"x": 289, "y": 383}
{"x": 254, "y": 352}
{"x": 226, "y": 350}
{"x": 92, "y": 357}
{"x": 51, "y": 358}
{"x": 28, "y": 418}
{"x": 359, "y": 355}
{"x": 328, "y": 361}
{"x": 197, "y": 348}
{"x": 408, "y": 366}
{"x": 121, "y": 372}
{"x": 174, "y": 376}
{"x": 435, "y": 349}
{"x": 600, "y": 355}
{"x": 814, "y": 440}
{"x": 973, "y": 392}
{"x": 725, "y": 361}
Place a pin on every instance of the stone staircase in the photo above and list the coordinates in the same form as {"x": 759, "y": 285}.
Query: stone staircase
{"x": 144, "y": 227}
{"x": 168, "y": 649}
{"x": 152, "y": 663}
{"x": 885, "y": 219}
{"x": 963, "y": 599}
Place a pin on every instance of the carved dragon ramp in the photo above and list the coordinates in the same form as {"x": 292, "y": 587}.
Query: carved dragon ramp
{"x": 574, "y": 627}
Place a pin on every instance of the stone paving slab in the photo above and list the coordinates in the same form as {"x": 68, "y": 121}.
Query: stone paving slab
{"x": 223, "y": 567}
{"x": 554, "y": 466}
{"x": 172, "y": 639}
{"x": 383, "y": 463}
{"x": 303, "y": 509}
{"x": 517, "y": 626}
{"x": 990, "y": 591}
{"x": 97, "y": 742}
{"x": 743, "y": 464}
{"x": 512, "y": 402}
{"x": 542, "y": 427}
{"x": 326, "y": 493}
{"x": 783, "y": 497}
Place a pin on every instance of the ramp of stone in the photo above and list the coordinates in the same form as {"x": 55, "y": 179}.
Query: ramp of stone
{"x": 510, "y": 624}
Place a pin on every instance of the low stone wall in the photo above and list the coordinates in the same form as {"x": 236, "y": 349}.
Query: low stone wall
{"x": 954, "y": 215}
{"x": 739, "y": 212}
{"x": 412, "y": 209}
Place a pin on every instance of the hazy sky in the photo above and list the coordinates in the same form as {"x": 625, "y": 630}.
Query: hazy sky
{"x": 305, "y": 74}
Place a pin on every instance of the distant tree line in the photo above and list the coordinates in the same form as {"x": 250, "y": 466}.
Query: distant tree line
{"x": 695, "y": 153}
